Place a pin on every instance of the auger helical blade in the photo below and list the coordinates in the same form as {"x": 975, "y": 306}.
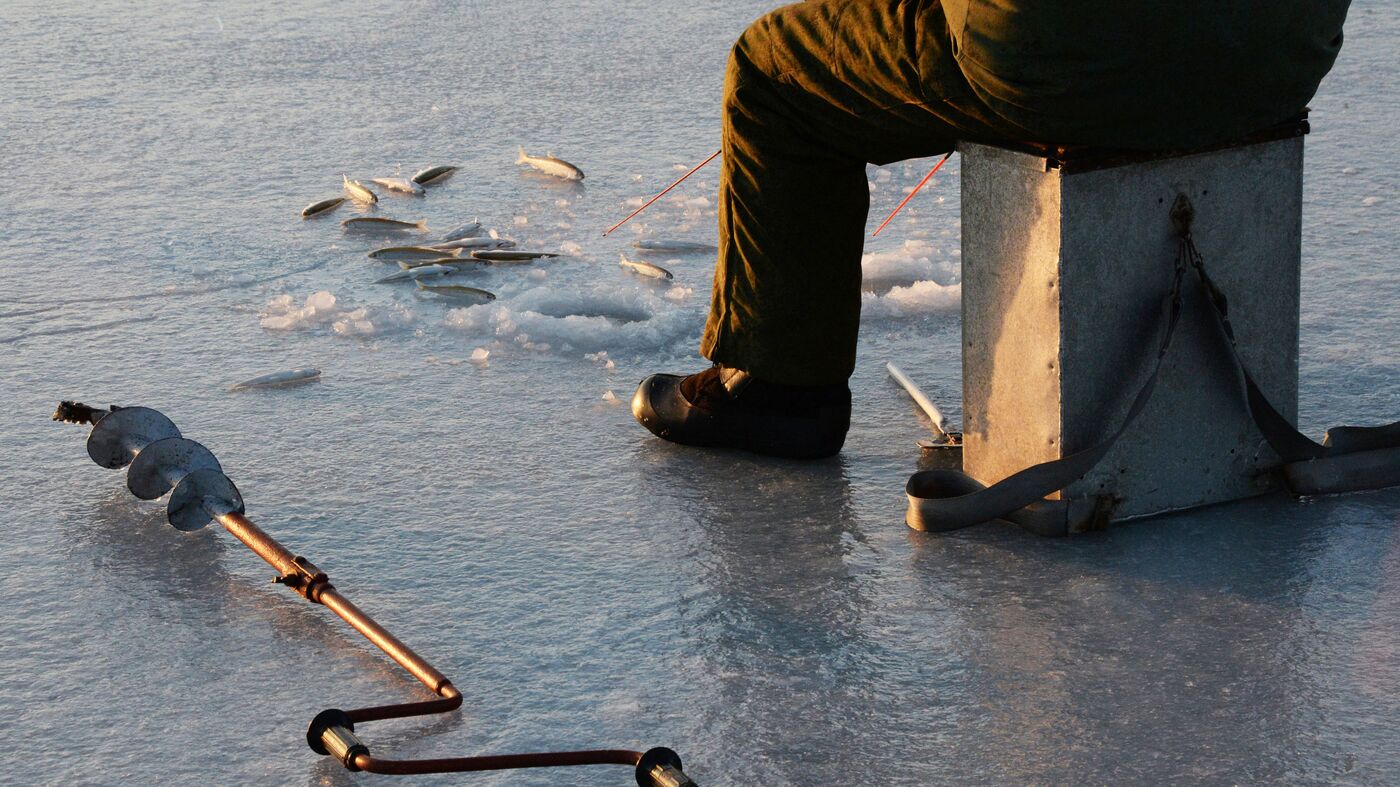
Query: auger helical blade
{"x": 160, "y": 466}
{"x": 121, "y": 434}
{"x": 200, "y": 496}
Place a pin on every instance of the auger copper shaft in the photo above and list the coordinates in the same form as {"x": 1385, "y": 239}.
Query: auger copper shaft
{"x": 324, "y": 593}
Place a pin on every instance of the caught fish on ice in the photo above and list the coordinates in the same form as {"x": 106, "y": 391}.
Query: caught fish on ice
{"x": 324, "y": 206}
{"x": 358, "y": 191}
{"x": 501, "y": 255}
{"x": 451, "y": 262}
{"x": 396, "y": 253}
{"x": 401, "y": 185}
{"x": 380, "y": 224}
{"x": 461, "y": 291}
{"x": 550, "y": 165}
{"x": 289, "y": 377}
{"x": 475, "y": 243}
{"x": 414, "y": 273}
{"x": 467, "y": 230}
{"x": 432, "y": 175}
{"x": 642, "y": 268}
{"x": 673, "y": 246}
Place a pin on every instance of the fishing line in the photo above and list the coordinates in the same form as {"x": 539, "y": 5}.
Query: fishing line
{"x": 940, "y": 163}
{"x": 692, "y": 171}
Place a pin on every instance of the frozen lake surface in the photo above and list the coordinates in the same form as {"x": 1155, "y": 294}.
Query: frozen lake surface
{"x": 582, "y": 583}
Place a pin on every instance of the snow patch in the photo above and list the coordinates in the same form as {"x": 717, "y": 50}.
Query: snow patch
{"x": 913, "y": 261}
{"x": 323, "y": 308}
{"x": 918, "y": 299}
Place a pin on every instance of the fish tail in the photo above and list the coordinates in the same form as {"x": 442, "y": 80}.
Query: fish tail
{"x": 404, "y": 265}
{"x": 421, "y": 224}
{"x": 522, "y": 156}
{"x": 420, "y": 284}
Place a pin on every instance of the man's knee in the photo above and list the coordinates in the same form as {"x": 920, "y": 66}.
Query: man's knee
{"x": 783, "y": 39}
{"x": 751, "y": 54}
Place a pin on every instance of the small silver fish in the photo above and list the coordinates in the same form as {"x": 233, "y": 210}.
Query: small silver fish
{"x": 673, "y": 246}
{"x": 394, "y": 253}
{"x": 501, "y": 255}
{"x": 452, "y": 262}
{"x": 414, "y": 273}
{"x": 324, "y": 206}
{"x": 432, "y": 175}
{"x": 467, "y": 230}
{"x": 642, "y": 268}
{"x": 458, "y": 291}
{"x": 380, "y": 224}
{"x": 305, "y": 375}
{"x": 475, "y": 243}
{"x": 550, "y": 165}
{"x": 358, "y": 190}
{"x": 401, "y": 185}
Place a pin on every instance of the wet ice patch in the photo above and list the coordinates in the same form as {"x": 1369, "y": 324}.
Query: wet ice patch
{"x": 605, "y": 306}
{"x": 323, "y": 309}
{"x": 602, "y": 319}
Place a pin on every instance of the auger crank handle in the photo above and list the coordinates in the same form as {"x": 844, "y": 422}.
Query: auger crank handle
{"x": 661, "y": 767}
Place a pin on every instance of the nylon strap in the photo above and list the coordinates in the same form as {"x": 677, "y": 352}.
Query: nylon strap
{"x": 1349, "y": 459}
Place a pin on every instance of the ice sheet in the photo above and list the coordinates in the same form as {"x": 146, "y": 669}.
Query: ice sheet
{"x": 583, "y": 583}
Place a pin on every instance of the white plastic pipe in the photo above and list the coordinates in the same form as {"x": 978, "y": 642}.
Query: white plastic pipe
{"x": 924, "y": 403}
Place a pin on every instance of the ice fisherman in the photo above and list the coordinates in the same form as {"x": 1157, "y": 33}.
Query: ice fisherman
{"x": 816, "y": 90}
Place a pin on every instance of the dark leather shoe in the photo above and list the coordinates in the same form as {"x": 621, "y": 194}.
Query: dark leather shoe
{"x": 728, "y": 408}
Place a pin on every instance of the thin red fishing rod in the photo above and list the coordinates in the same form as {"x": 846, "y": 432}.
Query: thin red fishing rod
{"x": 693, "y": 170}
{"x": 940, "y": 163}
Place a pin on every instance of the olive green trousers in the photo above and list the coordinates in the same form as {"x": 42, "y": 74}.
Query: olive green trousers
{"x": 817, "y": 90}
{"x": 813, "y": 92}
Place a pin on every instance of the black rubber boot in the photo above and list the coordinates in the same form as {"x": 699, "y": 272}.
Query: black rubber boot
{"x": 727, "y": 408}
